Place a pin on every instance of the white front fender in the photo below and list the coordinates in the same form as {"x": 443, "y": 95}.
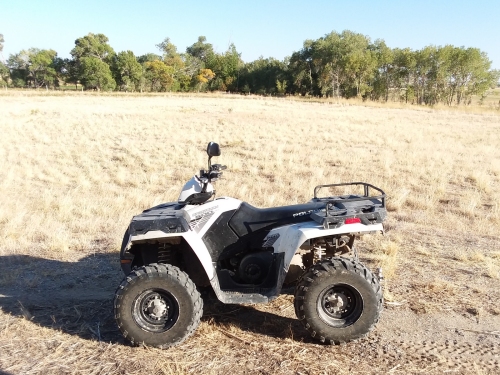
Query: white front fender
{"x": 191, "y": 238}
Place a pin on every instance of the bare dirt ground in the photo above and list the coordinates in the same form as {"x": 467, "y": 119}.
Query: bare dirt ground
{"x": 441, "y": 313}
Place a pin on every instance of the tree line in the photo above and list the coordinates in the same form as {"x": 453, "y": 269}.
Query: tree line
{"x": 346, "y": 65}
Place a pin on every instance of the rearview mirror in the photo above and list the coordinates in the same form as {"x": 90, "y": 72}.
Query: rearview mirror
{"x": 213, "y": 149}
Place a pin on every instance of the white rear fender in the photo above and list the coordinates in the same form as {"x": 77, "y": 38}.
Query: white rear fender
{"x": 291, "y": 237}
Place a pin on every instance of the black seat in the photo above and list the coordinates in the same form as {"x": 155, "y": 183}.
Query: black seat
{"x": 249, "y": 219}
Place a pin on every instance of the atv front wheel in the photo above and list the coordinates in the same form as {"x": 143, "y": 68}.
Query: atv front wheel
{"x": 157, "y": 305}
{"x": 338, "y": 300}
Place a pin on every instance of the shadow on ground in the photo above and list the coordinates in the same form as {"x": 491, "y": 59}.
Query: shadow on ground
{"x": 72, "y": 297}
{"x": 77, "y": 298}
{"x": 249, "y": 319}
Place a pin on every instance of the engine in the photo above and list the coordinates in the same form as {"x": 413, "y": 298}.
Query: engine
{"x": 254, "y": 267}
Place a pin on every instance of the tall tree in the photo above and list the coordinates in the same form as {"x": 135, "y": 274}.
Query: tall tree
{"x": 329, "y": 59}
{"x": 195, "y": 59}
{"x": 159, "y": 76}
{"x": 226, "y": 68}
{"x": 96, "y": 74}
{"x": 359, "y": 62}
{"x": 303, "y": 69}
{"x": 4, "y": 70}
{"x": 70, "y": 72}
{"x": 127, "y": 71}
{"x": 93, "y": 55}
{"x": 404, "y": 70}
{"x": 260, "y": 76}
{"x": 148, "y": 57}
{"x": 175, "y": 60}
{"x": 33, "y": 67}
{"x": 93, "y": 45}
{"x": 201, "y": 49}
{"x": 384, "y": 73}
{"x": 471, "y": 73}
{"x": 4, "y": 74}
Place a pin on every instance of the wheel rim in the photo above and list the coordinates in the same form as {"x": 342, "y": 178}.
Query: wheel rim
{"x": 155, "y": 310}
{"x": 340, "y": 305}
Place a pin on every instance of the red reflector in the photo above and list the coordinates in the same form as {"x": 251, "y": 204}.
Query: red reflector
{"x": 352, "y": 220}
{"x": 124, "y": 261}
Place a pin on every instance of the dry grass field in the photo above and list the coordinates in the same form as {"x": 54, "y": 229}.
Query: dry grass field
{"x": 75, "y": 167}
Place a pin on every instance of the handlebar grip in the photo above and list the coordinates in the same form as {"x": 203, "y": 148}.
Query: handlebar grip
{"x": 214, "y": 174}
{"x": 222, "y": 167}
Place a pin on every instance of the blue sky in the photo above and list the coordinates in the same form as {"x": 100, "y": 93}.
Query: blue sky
{"x": 257, "y": 28}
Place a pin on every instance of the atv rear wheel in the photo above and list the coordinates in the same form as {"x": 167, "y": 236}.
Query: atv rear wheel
{"x": 157, "y": 305}
{"x": 338, "y": 300}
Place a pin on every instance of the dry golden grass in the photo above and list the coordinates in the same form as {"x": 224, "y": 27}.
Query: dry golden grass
{"x": 76, "y": 167}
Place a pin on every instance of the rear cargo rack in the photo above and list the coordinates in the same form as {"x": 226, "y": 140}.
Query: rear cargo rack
{"x": 366, "y": 209}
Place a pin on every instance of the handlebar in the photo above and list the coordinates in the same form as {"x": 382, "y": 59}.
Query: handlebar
{"x": 218, "y": 167}
{"x": 213, "y": 174}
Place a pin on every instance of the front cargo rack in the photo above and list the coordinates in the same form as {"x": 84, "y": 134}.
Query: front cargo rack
{"x": 348, "y": 209}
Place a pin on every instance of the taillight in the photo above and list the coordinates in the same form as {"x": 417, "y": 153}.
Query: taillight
{"x": 352, "y": 220}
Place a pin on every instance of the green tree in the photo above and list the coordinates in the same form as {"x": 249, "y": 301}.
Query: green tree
{"x": 329, "y": 55}
{"x": 358, "y": 62}
{"x": 88, "y": 50}
{"x": 145, "y": 82}
{"x": 70, "y": 72}
{"x": 148, "y": 57}
{"x": 170, "y": 55}
{"x": 96, "y": 74}
{"x": 423, "y": 66}
{"x": 201, "y": 50}
{"x": 192, "y": 67}
{"x": 93, "y": 45}
{"x": 303, "y": 70}
{"x": 404, "y": 70}
{"x": 344, "y": 63}
{"x": 384, "y": 73}
{"x": 176, "y": 62}
{"x": 226, "y": 68}
{"x": 261, "y": 75}
{"x": 33, "y": 67}
{"x": 4, "y": 74}
{"x": 127, "y": 71}
{"x": 281, "y": 86}
{"x": 471, "y": 73}
{"x": 42, "y": 68}
{"x": 439, "y": 77}
{"x": 18, "y": 66}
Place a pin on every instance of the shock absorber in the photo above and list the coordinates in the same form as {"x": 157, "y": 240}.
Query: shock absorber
{"x": 165, "y": 253}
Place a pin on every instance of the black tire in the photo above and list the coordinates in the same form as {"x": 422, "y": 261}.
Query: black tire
{"x": 338, "y": 300}
{"x": 157, "y": 305}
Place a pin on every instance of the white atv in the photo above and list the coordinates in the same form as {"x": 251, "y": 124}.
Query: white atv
{"x": 246, "y": 254}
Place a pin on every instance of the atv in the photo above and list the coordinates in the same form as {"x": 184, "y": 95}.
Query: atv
{"x": 246, "y": 255}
